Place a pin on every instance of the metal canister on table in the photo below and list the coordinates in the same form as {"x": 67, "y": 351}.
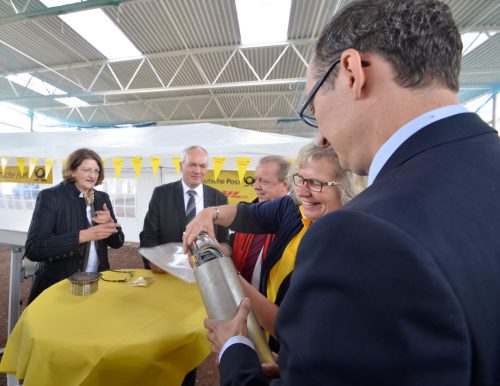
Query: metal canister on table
{"x": 84, "y": 283}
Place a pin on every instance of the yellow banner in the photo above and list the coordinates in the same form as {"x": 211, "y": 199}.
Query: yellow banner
{"x": 218, "y": 163}
{"x": 32, "y": 164}
{"x": 5, "y": 160}
{"x": 20, "y": 165}
{"x": 155, "y": 164}
{"x": 49, "y": 164}
{"x": 137, "y": 164}
{"x": 228, "y": 182}
{"x": 13, "y": 174}
{"x": 177, "y": 163}
{"x": 242, "y": 165}
{"x": 117, "y": 164}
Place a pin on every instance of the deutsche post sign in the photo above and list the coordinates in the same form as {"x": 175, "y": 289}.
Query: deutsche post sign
{"x": 13, "y": 174}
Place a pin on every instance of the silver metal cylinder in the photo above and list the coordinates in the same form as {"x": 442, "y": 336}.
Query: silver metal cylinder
{"x": 222, "y": 293}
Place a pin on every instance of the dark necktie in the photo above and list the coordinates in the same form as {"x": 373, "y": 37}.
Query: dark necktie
{"x": 252, "y": 256}
{"x": 191, "y": 206}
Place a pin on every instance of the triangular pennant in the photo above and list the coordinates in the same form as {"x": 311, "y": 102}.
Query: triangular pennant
{"x": 32, "y": 164}
{"x": 218, "y": 163}
{"x": 5, "y": 160}
{"x": 20, "y": 165}
{"x": 291, "y": 160}
{"x": 177, "y": 164}
{"x": 117, "y": 164}
{"x": 242, "y": 165}
{"x": 137, "y": 164}
{"x": 155, "y": 164}
{"x": 49, "y": 164}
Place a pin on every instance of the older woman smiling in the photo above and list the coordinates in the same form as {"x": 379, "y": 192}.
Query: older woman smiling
{"x": 320, "y": 186}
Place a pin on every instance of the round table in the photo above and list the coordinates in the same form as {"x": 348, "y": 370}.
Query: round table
{"x": 120, "y": 335}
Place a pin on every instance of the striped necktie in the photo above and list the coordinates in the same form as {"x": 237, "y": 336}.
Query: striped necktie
{"x": 252, "y": 256}
{"x": 191, "y": 206}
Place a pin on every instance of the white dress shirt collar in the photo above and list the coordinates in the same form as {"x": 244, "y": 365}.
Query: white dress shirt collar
{"x": 198, "y": 189}
{"x": 405, "y": 132}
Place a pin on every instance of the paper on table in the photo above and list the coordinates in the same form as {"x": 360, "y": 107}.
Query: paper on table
{"x": 171, "y": 258}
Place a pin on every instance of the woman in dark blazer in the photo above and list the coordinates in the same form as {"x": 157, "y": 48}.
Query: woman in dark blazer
{"x": 72, "y": 225}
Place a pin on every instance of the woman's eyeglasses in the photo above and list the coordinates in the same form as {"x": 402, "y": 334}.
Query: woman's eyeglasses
{"x": 313, "y": 185}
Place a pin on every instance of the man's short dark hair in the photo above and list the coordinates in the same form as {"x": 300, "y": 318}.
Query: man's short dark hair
{"x": 418, "y": 38}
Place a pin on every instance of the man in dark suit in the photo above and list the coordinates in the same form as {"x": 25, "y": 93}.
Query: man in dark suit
{"x": 401, "y": 286}
{"x": 166, "y": 218}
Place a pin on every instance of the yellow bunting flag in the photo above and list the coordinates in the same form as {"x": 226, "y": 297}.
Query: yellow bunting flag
{"x": 218, "y": 163}
{"x": 103, "y": 163}
{"x": 5, "y": 160}
{"x": 242, "y": 165}
{"x": 291, "y": 160}
{"x": 49, "y": 164}
{"x": 155, "y": 164}
{"x": 32, "y": 164}
{"x": 177, "y": 164}
{"x": 117, "y": 164}
{"x": 20, "y": 165}
{"x": 137, "y": 164}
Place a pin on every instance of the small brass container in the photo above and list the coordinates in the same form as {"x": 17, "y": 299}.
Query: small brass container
{"x": 84, "y": 283}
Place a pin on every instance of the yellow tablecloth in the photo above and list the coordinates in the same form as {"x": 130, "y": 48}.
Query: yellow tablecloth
{"x": 120, "y": 335}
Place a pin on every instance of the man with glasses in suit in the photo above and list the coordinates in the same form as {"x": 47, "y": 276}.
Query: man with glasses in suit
{"x": 400, "y": 286}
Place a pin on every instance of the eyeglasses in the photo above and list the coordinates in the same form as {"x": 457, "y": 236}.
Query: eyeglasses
{"x": 130, "y": 275}
{"x": 90, "y": 171}
{"x": 308, "y": 117}
{"x": 313, "y": 185}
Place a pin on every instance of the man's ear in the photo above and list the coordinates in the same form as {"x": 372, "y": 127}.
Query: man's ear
{"x": 351, "y": 63}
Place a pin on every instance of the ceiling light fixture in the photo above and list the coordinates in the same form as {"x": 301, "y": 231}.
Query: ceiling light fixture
{"x": 263, "y": 21}
{"x": 99, "y": 30}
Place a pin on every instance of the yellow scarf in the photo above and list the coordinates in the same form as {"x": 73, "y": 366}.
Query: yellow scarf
{"x": 89, "y": 197}
{"x": 286, "y": 263}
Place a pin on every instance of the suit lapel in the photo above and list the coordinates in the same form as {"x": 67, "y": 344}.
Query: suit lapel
{"x": 208, "y": 199}
{"x": 446, "y": 130}
{"x": 180, "y": 211}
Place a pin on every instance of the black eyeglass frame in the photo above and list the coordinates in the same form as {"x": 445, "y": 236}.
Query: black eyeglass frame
{"x": 130, "y": 274}
{"x": 309, "y": 119}
{"x": 306, "y": 181}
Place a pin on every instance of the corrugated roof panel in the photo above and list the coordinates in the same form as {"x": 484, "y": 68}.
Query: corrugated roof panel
{"x": 50, "y": 41}
{"x": 470, "y": 15}
{"x": 307, "y": 18}
{"x": 213, "y": 63}
{"x": 12, "y": 8}
{"x": 203, "y": 34}
{"x": 237, "y": 70}
{"x": 212, "y": 110}
{"x": 171, "y": 25}
{"x": 276, "y": 62}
